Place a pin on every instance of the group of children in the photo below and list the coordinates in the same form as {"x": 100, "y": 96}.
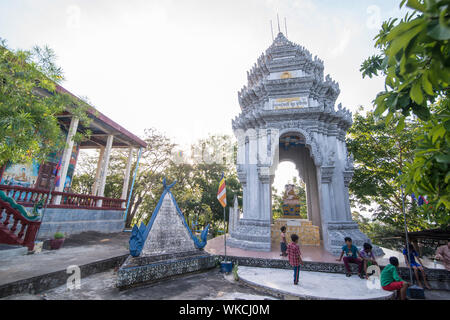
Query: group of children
{"x": 389, "y": 278}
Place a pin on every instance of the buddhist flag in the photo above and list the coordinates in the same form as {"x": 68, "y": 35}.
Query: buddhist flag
{"x": 222, "y": 192}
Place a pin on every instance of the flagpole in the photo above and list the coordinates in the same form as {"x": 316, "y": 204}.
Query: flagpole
{"x": 406, "y": 233}
{"x": 406, "y": 236}
{"x": 225, "y": 234}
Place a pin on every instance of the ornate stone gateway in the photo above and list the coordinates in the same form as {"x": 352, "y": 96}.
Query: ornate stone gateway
{"x": 288, "y": 113}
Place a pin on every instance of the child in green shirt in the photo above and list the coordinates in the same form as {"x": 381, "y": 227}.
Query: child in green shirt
{"x": 391, "y": 281}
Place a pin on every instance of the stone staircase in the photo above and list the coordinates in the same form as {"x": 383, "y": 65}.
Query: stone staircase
{"x": 17, "y": 226}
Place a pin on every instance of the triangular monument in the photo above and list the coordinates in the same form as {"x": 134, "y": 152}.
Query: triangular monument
{"x": 165, "y": 247}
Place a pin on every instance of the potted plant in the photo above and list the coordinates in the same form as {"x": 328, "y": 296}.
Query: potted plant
{"x": 57, "y": 241}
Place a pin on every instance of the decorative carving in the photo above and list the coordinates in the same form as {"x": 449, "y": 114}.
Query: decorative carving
{"x": 348, "y": 175}
{"x": 330, "y": 158}
{"x": 242, "y": 174}
{"x": 264, "y": 174}
{"x": 349, "y": 162}
{"x": 295, "y": 127}
{"x": 285, "y": 71}
{"x": 348, "y": 170}
{"x": 327, "y": 174}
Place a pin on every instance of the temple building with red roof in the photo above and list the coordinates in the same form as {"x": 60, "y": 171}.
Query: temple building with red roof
{"x": 69, "y": 212}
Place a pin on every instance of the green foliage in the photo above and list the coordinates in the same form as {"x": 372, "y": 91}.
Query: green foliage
{"x": 429, "y": 173}
{"x": 381, "y": 234}
{"x": 414, "y": 59}
{"x": 380, "y": 152}
{"x": 29, "y": 104}
{"x": 196, "y": 191}
{"x": 197, "y": 179}
{"x": 58, "y": 235}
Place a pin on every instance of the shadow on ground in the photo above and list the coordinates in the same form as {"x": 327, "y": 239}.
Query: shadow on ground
{"x": 200, "y": 286}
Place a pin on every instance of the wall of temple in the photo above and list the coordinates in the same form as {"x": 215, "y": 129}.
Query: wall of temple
{"x": 75, "y": 221}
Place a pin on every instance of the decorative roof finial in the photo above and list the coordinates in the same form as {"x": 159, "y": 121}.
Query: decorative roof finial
{"x": 285, "y": 26}
{"x": 278, "y": 19}
{"x": 271, "y": 29}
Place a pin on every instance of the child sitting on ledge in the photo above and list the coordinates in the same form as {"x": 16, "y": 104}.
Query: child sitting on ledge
{"x": 351, "y": 256}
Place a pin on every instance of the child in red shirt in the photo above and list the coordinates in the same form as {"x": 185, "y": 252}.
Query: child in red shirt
{"x": 294, "y": 255}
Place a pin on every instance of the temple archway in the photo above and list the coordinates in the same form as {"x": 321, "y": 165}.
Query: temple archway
{"x": 293, "y": 147}
{"x": 293, "y": 118}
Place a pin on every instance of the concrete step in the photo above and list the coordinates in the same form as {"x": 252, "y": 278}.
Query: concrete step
{"x": 8, "y": 251}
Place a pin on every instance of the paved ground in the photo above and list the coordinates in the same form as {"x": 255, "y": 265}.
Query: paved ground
{"x": 210, "y": 285}
{"x": 322, "y": 285}
{"x": 309, "y": 253}
{"x": 77, "y": 250}
{"x": 201, "y": 286}
{"x": 317, "y": 285}
{"x": 90, "y": 247}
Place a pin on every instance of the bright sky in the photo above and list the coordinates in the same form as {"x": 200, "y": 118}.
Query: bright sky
{"x": 177, "y": 65}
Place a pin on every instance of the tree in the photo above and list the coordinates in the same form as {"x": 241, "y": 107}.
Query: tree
{"x": 380, "y": 153}
{"x": 212, "y": 157}
{"x": 415, "y": 60}
{"x": 148, "y": 184}
{"x": 155, "y": 160}
{"x": 380, "y": 233}
{"x": 30, "y": 103}
{"x": 197, "y": 178}
{"x": 429, "y": 173}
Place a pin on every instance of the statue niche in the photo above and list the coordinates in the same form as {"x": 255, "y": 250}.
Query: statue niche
{"x": 291, "y": 202}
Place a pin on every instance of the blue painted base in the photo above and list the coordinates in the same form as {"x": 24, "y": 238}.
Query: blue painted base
{"x": 226, "y": 266}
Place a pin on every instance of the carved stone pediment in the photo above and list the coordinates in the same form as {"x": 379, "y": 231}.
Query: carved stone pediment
{"x": 348, "y": 175}
{"x": 242, "y": 174}
{"x": 327, "y": 173}
{"x": 264, "y": 174}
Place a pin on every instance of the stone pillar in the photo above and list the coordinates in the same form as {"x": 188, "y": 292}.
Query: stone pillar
{"x": 66, "y": 156}
{"x": 326, "y": 174}
{"x": 264, "y": 180}
{"x": 98, "y": 171}
{"x": 126, "y": 179}
{"x": 104, "y": 171}
{"x": 272, "y": 178}
{"x": 253, "y": 208}
{"x": 252, "y": 232}
{"x": 316, "y": 218}
{"x": 233, "y": 215}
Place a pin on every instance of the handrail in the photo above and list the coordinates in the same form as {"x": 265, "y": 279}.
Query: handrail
{"x": 16, "y": 229}
{"x": 29, "y": 196}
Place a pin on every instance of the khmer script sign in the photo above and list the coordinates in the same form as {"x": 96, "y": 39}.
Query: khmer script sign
{"x": 290, "y": 103}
